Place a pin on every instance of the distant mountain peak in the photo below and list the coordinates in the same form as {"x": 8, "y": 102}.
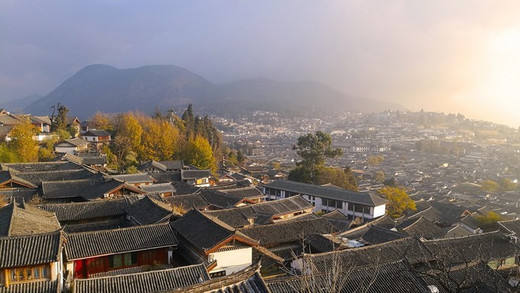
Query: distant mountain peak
{"x": 105, "y": 88}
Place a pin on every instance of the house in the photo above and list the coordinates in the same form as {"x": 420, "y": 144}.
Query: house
{"x": 31, "y": 263}
{"x": 97, "y": 252}
{"x": 71, "y": 146}
{"x": 138, "y": 179}
{"x": 364, "y": 205}
{"x": 42, "y": 123}
{"x": 198, "y": 178}
{"x": 206, "y": 239}
{"x": 91, "y": 160}
{"x": 96, "y": 137}
{"x": 90, "y": 215}
{"x": 162, "y": 189}
{"x": 74, "y": 122}
{"x": 162, "y": 166}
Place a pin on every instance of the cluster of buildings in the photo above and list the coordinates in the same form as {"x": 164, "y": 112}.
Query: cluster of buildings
{"x": 68, "y": 227}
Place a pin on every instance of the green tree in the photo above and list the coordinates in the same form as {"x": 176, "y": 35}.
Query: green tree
{"x": 314, "y": 149}
{"x": 507, "y": 185}
{"x": 398, "y": 201}
{"x": 489, "y": 186}
{"x": 22, "y": 142}
{"x": 339, "y": 177}
{"x": 7, "y": 155}
{"x": 60, "y": 121}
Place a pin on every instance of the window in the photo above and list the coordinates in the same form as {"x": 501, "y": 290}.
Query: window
{"x": 122, "y": 260}
{"x": 20, "y": 275}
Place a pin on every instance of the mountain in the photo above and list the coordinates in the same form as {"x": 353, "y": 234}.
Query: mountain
{"x": 17, "y": 105}
{"x": 108, "y": 89}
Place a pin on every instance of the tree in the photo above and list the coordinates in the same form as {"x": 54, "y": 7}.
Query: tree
{"x": 489, "y": 218}
{"x": 314, "y": 149}
{"x": 198, "y": 153}
{"x": 60, "y": 122}
{"x": 489, "y": 186}
{"x": 398, "y": 201}
{"x": 379, "y": 176}
{"x": 375, "y": 160}
{"x": 101, "y": 121}
{"x": 339, "y": 177}
{"x": 22, "y": 142}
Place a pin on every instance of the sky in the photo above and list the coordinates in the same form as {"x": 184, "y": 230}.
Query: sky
{"x": 446, "y": 56}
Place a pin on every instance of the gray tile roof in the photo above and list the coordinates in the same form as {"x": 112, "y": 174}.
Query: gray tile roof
{"x": 486, "y": 246}
{"x": 511, "y": 227}
{"x": 188, "y": 201}
{"x": 95, "y": 243}
{"x": 32, "y": 287}
{"x": 282, "y": 206}
{"x": 17, "y": 251}
{"x": 95, "y": 132}
{"x": 194, "y": 174}
{"x": 376, "y": 235}
{"x": 244, "y": 192}
{"x": 87, "y": 189}
{"x": 23, "y": 219}
{"x": 423, "y": 228}
{"x": 391, "y": 277}
{"x": 410, "y": 249}
{"x": 153, "y": 281}
{"x": 220, "y": 199}
{"x": 203, "y": 231}
{"x": 40, "y": 167}
{"x": 37, "y": 178}
{"x": 147, "y": 211}
{"x": 289, "y": 231}
{"x": 158, "y": 188}
{"x": 134, "y": 178}
{"x": 88, "y": 210}
{"x": 335, "y": 193}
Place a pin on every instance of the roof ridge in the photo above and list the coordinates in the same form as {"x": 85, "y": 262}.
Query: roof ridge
{"x": 119, "y": 229}
{"x": 466, "y": 236}
{"x": 143, "y": 273}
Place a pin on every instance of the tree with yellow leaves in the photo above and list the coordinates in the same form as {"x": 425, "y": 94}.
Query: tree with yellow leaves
{"x": 398, "y": 201}
{"x": 22, "y": 142}
{"x": 198, "y": 152}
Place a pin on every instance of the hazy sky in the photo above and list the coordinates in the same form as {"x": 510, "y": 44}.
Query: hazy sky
{"x": 450, "y": 56}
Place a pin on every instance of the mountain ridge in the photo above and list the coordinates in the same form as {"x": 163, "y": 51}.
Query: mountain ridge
{"x": 105, "y": 88}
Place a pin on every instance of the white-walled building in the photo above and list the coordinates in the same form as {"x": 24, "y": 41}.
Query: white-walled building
{"x": 329, "y": 198}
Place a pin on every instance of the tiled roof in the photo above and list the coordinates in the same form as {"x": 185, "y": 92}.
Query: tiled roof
{"x": 77, "y": 142}
{"x": 248, "y": 280}
{"x": 220, "y": 199}
{"x": 262, "y": 213}
{"x": 40, "y": 167}
{"x": 285, "y": 232}
{"x": 423, "y": 228}
{"x": 88, "y": 189}
{"x": 235, "y": 217}
{"x": 203, "y": 231}
{"x": 282, "y": 206}
{"x": 88, "y": 210}
{"x": 486, "y": 246}
{"x": 188, "y": 201}
{"x": 95, "y": 132}
{"x": 167, "y": 177}
{"x": 512, "y": 227}
{"x": 328, "y": 192}
{"x": 376, "y": 235}
{"x": 338, "y": 219}
{"x": 457, "y": 231}
{"x": 32, "y": 287}
{"x": 158, "y": 188}
{"x": 134, "y": 178}
{"x": 95, "y": 243}
{"x": 410, "y": 249}
{"x": 244, "y": 192}
{"x": 17, "y": 251}
{"x": 147, "y": 211}
{"x": 37, "y": 178}
{"x": 20, "y": 194}
{"x": 194, "y": 174}
{"x": 389, "y": 277}
{"x": 153, "y": 281}
{"x": 26, "y": 220}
